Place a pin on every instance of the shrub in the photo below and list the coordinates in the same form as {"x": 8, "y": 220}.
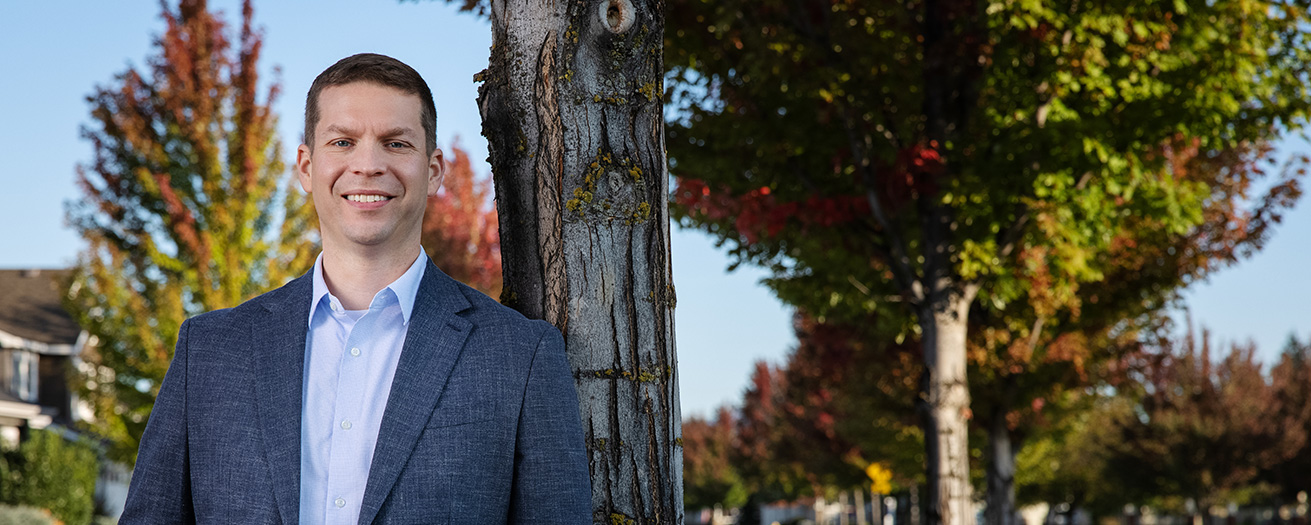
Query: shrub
{"x": 50, "y": 472}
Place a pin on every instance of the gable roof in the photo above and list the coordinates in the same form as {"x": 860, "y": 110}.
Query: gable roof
{"x": 31, "y": 306}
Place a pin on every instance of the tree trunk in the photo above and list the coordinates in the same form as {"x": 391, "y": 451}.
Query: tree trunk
{"x": 571, "y": 107}
{"x": 944, "y": 406}
{"x": 1000, "y": 508}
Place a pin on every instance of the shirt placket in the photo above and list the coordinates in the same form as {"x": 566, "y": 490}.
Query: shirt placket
{"x": 348, "y": 443}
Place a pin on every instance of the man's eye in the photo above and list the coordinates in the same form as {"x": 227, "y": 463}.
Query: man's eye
{"x": 397, "y": 144}
{"x": 342, "y": 143}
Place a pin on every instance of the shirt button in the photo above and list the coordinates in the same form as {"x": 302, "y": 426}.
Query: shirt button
{"x": 340, "y": 503}
{"x": 355, "y": 351}
{"x": 345, "y": 425}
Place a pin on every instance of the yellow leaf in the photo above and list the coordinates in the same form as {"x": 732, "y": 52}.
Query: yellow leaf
{"x": 880, "y": 478}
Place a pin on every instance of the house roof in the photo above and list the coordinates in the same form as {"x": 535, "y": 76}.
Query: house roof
{"x": 31, "y": 307}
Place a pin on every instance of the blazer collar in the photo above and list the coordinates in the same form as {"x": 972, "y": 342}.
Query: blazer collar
{"x": 432, "y": 345}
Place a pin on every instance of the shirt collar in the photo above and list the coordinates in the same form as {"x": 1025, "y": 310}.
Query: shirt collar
{"x": 405, "y": 287}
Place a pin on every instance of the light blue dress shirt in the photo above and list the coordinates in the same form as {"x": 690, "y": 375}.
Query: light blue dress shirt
{"x": 350, "y": 359}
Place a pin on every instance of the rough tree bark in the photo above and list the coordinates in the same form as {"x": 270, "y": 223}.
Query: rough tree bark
{"x": 571, "y": 107}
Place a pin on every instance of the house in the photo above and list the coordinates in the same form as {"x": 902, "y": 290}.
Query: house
{"x": 39, "y": 342}
{"x": 40, "y": 347}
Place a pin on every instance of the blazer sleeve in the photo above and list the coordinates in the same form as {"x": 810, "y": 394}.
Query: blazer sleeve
{"x": 552, "y": 483}
{"x": 161, "y": 481}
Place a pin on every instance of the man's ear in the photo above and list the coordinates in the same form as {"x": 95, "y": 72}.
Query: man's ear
{"x": 303, "y": 168}
{"x": 436, "y": 171}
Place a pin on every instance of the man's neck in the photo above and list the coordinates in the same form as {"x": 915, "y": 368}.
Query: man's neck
{"x": 354, "y": 278}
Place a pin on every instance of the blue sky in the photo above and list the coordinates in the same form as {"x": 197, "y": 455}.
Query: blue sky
{"x": 57, "y": 52}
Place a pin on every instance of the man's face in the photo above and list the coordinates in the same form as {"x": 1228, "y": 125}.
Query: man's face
{"x": 367, "y": 170}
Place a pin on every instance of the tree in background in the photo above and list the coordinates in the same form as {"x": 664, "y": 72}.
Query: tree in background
{"x": 768, "y": 472}
{"x": 180, "y": 210}
{"x": 710, "y": 476}
{"x": 1033, "y": 361}
{"x": 812, "y": 426}
{"x": 1065, "y": 463}
{"x": 926, "y": 161}
{"x": 1200, "y": 429}
{"x": 459, "y": 227}
{"x": 1291, "y": 380}
{"x": 848, "y": 402}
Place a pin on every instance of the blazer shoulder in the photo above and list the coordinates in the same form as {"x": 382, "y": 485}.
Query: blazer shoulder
{"x": 487, "y": 313}
{"x": 484, "y": 310}
{"x": 274, "y": 300}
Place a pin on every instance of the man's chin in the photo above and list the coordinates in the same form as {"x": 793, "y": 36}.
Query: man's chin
{"x": 365, "y": 239}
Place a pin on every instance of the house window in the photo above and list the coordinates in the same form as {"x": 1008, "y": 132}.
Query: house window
{"x": 21, "y": 374}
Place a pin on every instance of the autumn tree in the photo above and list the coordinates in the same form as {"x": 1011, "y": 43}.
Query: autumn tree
{"x": 1200, "y": 428}
{"x": 459, "y": 227}
{"x": 1290, "y": 380}
{"x": 835, "y": 406}
{"x": 181, "y": 209}
{"x": 848, "y": 402}
{"x": 709, "y": 474}
{"x": 926, "y": 161}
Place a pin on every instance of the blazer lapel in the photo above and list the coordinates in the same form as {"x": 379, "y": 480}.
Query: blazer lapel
{"x": 278, "y": 382}
{"x": 432, "y": 345}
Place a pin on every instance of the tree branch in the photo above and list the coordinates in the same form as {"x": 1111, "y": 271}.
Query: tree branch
{"x": 897, "y": 257}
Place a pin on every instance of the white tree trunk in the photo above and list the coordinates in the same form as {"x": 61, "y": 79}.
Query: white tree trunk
{"x": 571, "y": 106}
{"x": 945, "y": 405}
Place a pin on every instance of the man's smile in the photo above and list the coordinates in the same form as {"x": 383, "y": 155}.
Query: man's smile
{"x": 361, "y": 197}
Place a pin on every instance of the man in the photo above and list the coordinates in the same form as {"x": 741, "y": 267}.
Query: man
{"x": 373, "y": 389}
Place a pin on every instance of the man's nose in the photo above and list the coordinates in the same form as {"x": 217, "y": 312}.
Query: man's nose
{"x": 368, "y": 161}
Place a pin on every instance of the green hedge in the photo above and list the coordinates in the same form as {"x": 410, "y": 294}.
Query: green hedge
{"x": 50, "y": 472}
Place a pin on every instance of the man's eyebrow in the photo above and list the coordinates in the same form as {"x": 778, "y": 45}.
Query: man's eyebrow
{"x": 334, "y": 129}
{"x": 398, "y": 131}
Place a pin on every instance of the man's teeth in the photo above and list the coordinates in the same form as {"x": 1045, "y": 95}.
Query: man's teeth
{"x": 367, "y": 198}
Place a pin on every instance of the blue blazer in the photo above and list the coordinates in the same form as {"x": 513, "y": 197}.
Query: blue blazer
{"x": 481, "y": 424}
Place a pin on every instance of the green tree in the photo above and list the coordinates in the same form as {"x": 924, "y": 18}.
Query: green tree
{"x": 1032, "y": 360}
{"x": 1066, "y": 463}
{"x": 181, "y": 210}
{"x": 49, "y": 472}
{"x": 927, "y": 161}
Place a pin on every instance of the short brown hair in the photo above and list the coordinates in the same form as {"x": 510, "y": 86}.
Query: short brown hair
{"x": 378, "y": 69}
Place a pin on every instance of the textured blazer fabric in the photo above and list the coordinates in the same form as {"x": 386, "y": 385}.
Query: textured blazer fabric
{"x": 481, "y": 424}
